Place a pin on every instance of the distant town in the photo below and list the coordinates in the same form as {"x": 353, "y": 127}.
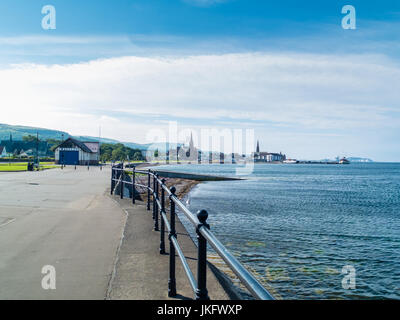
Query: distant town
{"x": 19, "y": 143}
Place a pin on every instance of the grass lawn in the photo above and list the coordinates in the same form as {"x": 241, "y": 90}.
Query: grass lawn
{"x": 23, "y": 166}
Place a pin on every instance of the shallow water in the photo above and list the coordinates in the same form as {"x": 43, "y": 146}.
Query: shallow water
{"x": 298, "y": 225}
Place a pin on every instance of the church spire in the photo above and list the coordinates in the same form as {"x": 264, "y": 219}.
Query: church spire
{"x": 191, "y": 144}
{"x": 258, "y": 147}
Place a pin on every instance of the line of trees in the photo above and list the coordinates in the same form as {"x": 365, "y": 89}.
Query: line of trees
{"x": 119, "y": 152}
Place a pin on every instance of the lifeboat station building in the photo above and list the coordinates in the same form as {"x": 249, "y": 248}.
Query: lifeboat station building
{"x": 74, "y": 152}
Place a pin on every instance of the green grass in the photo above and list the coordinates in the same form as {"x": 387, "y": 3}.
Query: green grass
{"x": 23, "y": 166}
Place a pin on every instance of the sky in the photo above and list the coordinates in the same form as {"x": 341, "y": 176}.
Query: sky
{"x": 286, "y": 69}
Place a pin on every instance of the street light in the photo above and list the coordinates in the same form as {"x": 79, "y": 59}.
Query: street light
{"x": 62, "y": 158}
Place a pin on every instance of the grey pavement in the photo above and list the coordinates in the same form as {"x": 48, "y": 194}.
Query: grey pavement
{"x": 142, "y": 272}
{"x": 101, "y": 247}
{"x": 63, "y": 218}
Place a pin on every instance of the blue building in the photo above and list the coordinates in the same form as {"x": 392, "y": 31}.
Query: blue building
{"x": 74, "y": 152}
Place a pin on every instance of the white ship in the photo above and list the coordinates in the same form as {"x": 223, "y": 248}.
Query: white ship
{"x": 290, "y": 161}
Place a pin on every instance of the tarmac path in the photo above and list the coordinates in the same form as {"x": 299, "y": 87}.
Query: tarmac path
{"x": 62, "y": 218}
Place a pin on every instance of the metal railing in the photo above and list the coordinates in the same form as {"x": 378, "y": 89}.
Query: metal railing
{"x": 154, "y": 186}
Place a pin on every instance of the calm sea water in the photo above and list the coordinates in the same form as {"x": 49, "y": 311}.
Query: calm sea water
{"x": 297, "y": 225}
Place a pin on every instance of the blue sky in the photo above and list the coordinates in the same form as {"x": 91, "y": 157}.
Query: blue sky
{"x": 286, "y": 68}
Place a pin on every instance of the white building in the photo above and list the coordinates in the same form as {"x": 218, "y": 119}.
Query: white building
{"x": 268, "y": 156}
{"x": 72, "y": 152}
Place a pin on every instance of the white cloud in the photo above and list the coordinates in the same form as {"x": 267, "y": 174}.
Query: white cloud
{"x": 300, "y": 92}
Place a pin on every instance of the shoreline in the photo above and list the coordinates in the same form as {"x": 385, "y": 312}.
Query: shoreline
{"x": 229, "y": 281}
{"x": 219, "y": 268}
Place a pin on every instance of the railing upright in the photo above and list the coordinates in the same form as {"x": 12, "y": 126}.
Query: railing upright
{"x": 201, "y": 292}
{"x": 122, "y": 181}
{"x": 156, "y": 204}
{"x": 172, "y": 234}
{"x": 154, "y": 197}
{"x": 112, "y": 179}
{"x": 133, "y": 185}
{"x": 148, "y": 191}
{"x": 162, "y": 210}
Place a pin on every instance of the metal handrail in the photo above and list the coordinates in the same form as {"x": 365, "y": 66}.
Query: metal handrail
{"x": 202, "y": 229}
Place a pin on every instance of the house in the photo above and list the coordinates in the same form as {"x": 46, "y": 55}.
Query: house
{"x": 269, "y": 157}
{"x": 74, "y": 152}
{"x": 3, "y": 152}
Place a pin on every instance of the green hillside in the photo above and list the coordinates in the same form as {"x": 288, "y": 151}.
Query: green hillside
{"x": 18, "y": 132}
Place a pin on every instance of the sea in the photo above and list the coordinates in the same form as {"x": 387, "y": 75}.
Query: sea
{"x": 309, "y": 231}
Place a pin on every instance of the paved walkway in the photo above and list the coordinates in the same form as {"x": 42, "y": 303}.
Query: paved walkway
{"x": 62, "y": 218}
{"x": 67, "y": 219}
{"x": 142, "y": 272}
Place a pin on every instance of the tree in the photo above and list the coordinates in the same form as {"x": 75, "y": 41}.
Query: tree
{"x": 29, "y": 138}
{"x": 119, "y": 152}
{"x": 118, "y": 155}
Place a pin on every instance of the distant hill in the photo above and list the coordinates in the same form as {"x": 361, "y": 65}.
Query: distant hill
{"x": 356, "y": 159}
{"x": 18, "y": 132}
{"x": 351, "y": 159}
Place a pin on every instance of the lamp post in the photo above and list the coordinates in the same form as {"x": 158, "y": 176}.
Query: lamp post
{"x": 37, "y": 150}
{"x": 62, "y": 160}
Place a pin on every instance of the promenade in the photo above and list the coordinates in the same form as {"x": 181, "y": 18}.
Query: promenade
{"x": 101, "y": 247}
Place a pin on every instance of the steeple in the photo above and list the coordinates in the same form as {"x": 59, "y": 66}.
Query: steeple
{"x": 191, "y": 144}
{"x": 258, "y": 147}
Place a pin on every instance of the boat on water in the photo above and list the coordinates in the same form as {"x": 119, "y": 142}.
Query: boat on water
{"x": 290, "y": 161}
{"x": 344, "y": 161}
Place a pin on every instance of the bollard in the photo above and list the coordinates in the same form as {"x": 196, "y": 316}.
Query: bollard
{"x": 133, "y": 185}
{"x": 201, "y": 292}
{"x": 172, "y": 279}
{"x": 148, "y": 190}
{"x": 162, "y": 231}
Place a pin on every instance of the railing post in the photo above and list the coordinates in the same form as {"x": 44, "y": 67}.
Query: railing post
{"x": 172, "y": 279}
{"x": 148, "y": 191}
{"x": 133, "y": 185}
{"x": 112, "y": 179}
{"x": 122, "y": 181}
{"x": 154, "y": 197}
{"x": 201, "y": 292}
{"x": 156, "y": 204}
{"x": 162, "y": 231}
